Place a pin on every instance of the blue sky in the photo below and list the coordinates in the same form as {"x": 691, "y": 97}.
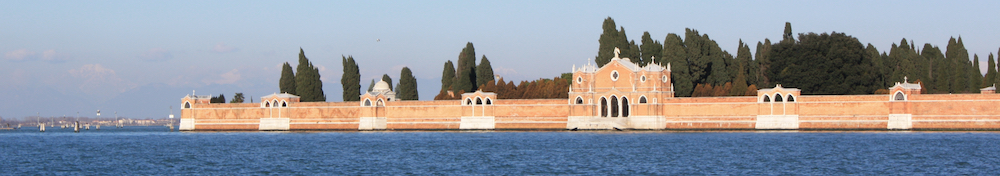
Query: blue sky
{"x": 138, "y": 58}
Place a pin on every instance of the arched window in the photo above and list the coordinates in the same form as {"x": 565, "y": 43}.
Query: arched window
{"x": 777, "y": 98}
{"x": 604, "y": 107}
{"x": 767, "y": 99}
{"x": 368, "y": 102}
{"x": 614, "y": 106}
{"x": 624, "y": 107}
{"x": 284, "y": 104}
{"x": 899, "y": 96}
{"x": 267, "y": 104}
{"x": 187, "y": 105}
{"x": 468, "y": 101}
{"x": 274, "y": 103}
{"x": 379, "y": 103}
{"x": 579, "y": 100}
{"x": 479, "y": 101}
{"x": 791, "y": 98}
{"x": 489, "y": 101}
{"x": 642, "y": 100}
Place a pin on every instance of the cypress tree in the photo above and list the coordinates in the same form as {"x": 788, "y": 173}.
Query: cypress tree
{"x": 351, "y": 79}
{"x": 674, "y": 54}
{"x": 287, "y": 81}
{"x": 307, "y": 82}
{"x": 649, "y": 50}
{"x": 238, "y": 98}
{"x": 763, "y": 63}
{"x": 788, "y": 33}
{"x": 466, "y": 77}
{"x": 371, "y": 86}
{"x": 743, "y": 66}
{"x": 407, "y": 85}
{"x": 387, "y": 79}
{"x": 447, "y": 76}
{"x": 975, "y": 75}
{"x": 484, "y": 72}
{"x": 610, "y": 39}
{"x": 991, "y": 72}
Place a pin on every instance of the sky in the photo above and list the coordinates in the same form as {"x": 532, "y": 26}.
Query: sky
{"x": 139, "y": 58}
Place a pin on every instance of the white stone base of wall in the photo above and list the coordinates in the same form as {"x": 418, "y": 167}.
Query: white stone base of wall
{"x": 900, "y": 121}
{"x": 372, "y": 123}
{"x": 647, "y": 122}
{"x": 478, "y": 123}
{"x": 777, "y": 122}
{"x": 186, "y": 125}
{"x": 274, "y": 124}
{"x": 597, "y": 123}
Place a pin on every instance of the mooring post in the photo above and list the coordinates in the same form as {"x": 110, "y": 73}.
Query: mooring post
{"x": 76, "y": 126}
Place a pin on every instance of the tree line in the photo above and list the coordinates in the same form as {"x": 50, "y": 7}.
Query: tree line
{"x": 827, "y": 63}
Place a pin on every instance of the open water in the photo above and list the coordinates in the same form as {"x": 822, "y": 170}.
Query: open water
{"x": 155, "y": 151}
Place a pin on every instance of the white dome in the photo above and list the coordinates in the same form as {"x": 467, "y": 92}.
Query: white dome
{"x": 381, "y": 85}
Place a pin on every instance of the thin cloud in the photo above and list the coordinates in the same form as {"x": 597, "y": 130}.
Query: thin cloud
{"x": 20, "y": 55}
{"x": 226, "y": 78}
{"x": 52, "y": 56}
{"x": 223, "y": 48}
{"x": 156, "y": 55}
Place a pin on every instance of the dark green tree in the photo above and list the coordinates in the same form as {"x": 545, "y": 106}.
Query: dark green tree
{"x": 466, "y": 70}
{"x": 675, "y": 55}
{"x": 407, "y": 85}
{"x": 219, "y": 99}
{"x": 371, "y": 86}
{"x": 238, "y": 98}
{"x": 287, "y": 81}
{"x": 649, "y": 50}
{"x": 959, "y": 65}
{"x": 447, "y": 76}
{"x": 351, "y": 79}
{"x": 788, "y": 33}
{"x": 611, "y": 39}
{"x": 745, "y": 65}
{"x": 823, "y": 64}
{"x": 763, "y": 63}
{"x": 387, "y": 79}
{"x": 307, "y": 82}
{"x": 484, "y": 72}
{"x": 975, "y": 75}
{"x": 991, "y": 72}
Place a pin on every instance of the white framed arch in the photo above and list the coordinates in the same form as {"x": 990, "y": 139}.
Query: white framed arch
{"x": 186, "y": 105}
{"x": 765, "y": 99}
{"x": 479, "y": 101}
{"x": 578, "y": 100}
{"x": 604, "y": 106}
{"x": 468, "y": 101}
{"x": 778, "y": 97}
{"x": 642, "y": 99}
{"x": 379, "y": 103}
{"x": 266, "y": 104}
{"x": 898, "y": 96}
{"x": 790, "y": 98}
{"x": 274, "y": 103}
{"x": 616, "y": 106}
{"x": 624, "y": 110}
{"x": 489, "y": 101}
{"x": 367, "y": 102}
{"x": 284, "y": 104}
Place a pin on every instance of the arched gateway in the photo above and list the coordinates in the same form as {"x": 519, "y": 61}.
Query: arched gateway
{"x": 601, "y": 95}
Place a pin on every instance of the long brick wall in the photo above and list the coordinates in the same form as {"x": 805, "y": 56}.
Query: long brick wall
{"x": 807, "y": 112}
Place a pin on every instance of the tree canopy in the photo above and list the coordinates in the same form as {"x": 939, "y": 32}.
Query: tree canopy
{"x": 350, "y": 81}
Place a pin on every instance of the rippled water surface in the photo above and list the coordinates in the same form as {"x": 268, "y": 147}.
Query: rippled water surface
{"x": 155, "y": 151}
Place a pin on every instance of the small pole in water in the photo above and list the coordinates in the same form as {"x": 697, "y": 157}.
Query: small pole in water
{"x": 41, "y": 128}
{"x": 98, "y": 127}
{"x": 76, "y": 126}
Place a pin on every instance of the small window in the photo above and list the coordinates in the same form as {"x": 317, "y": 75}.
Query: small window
{"x": 643, "y": 78}
{"x": 579, "y": 80}
{"x": 767, "y": 98}
{"x": 791, "y": 98}
{"x": 479, "y": 101}
{"x": 187, "y": 105}
{"x": 284, "y": 104}
{"x": 267, "y": 104}
{"x": 489, "y": 101}
{"x": 614, "y": 75}
{"x": 899, "y": 96}
{"x": 368, "y": 102}
{"x": 642, "y": 100}
{"x": 777, "y": 98}
{"x": 468, "y": 101}
{"x": 379, "y": 103}
{"x": 274, "y": 103}
{"x": 579, "y": 100}
{"x": 665, "y": 78}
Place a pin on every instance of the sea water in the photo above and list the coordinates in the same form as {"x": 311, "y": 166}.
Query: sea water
{"x": 156, "y": 151}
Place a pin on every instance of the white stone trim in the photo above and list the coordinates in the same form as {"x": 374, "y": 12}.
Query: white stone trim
{"x": 274, "y": 124}
{"x": 900, "y": 122}
{"x": 771, "y": 122}
{"x": 892, "y": 97}
{"x": 189, "y": 105}
{"x": 186, "y": 124}
{"x": 372, "y": 123}
{"x": 477, "y": 123}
